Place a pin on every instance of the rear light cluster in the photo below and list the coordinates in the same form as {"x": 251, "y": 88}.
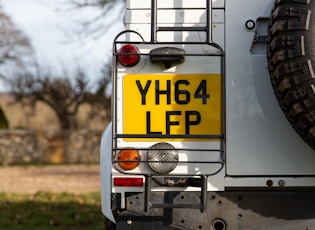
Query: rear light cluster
{"x": 128, "y": 55}
{"x": 128, "y": 159}
{"x": 161, "y": 157}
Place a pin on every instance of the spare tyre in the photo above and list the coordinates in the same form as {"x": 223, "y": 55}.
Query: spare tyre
{"x": 291, "y": 58}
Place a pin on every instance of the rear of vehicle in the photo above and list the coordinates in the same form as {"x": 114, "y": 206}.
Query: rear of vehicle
{"x": 193, "y": 143}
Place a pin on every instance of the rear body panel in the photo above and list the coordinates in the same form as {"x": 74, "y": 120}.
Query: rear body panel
{"x": 260, "y": 140}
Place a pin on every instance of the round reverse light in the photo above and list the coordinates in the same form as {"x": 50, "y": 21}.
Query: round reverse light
{"x": 128, "y": 55}
{"x": 128, "y": 159}
{"x": 162, "y": 158}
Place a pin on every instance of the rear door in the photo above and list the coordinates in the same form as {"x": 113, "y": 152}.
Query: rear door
{"x": 160, "y": 99}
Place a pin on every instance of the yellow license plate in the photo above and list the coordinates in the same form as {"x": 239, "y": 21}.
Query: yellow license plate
{"x": 172, "y": 104}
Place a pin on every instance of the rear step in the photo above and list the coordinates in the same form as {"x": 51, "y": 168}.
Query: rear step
{"x": 203, "y": 197}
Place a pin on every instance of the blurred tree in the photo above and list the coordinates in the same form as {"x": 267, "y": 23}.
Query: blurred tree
{"x": 4, "y": 124}
{"x": 15, "y": 52}
{"x": 101, "y": 98}
{"x": 61, "y": 94}
{"x": 15, "y": 48}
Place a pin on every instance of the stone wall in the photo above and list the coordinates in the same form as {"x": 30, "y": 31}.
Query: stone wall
{"x": 30, "y": 146}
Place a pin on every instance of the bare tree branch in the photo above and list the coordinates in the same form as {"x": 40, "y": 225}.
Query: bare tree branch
{"x": 15, "y": 48}
{"x": 98, "y": 22}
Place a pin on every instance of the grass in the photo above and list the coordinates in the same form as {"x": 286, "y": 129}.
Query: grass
{"x": 47, "y": 211}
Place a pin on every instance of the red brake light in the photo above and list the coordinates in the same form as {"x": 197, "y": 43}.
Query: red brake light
{"x": 128, "y": 55}
{"x": 128, "y": 181}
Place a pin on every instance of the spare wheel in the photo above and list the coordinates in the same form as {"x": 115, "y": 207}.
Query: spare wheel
{"x": 291, "y": 58}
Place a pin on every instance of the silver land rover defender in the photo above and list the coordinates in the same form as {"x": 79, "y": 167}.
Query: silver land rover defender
{"x": 213, "y": 113}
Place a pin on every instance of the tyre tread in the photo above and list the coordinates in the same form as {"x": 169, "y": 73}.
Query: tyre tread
{"x": 290, "y": 67}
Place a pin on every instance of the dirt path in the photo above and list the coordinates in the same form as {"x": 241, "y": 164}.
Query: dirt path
{"x": 56, "y": 178}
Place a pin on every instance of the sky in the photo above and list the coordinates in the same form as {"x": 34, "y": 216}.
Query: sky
{"x": 47, "y": 24}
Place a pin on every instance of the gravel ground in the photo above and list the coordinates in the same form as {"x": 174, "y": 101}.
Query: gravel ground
{"x": 55, "y": 178}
